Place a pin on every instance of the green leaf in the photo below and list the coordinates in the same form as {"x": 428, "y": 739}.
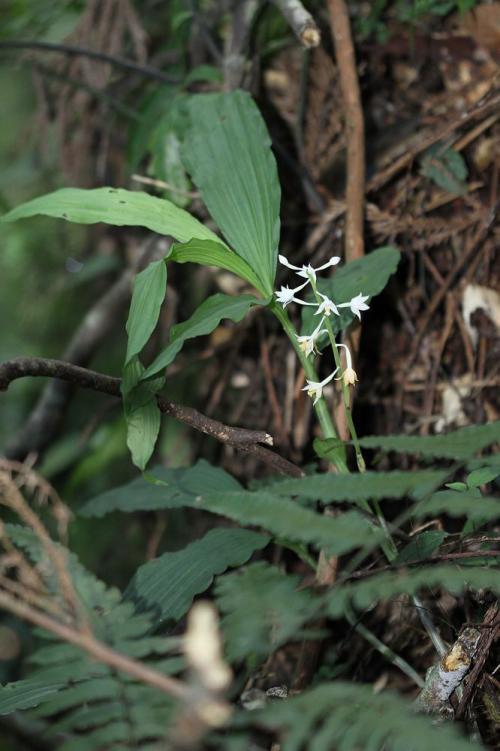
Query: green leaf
{"x": 446, "y": 168}
{"x": 210, "y": 253}
{"x": 287, "y": 519}
{"x": 349, "y": 717}
{"x": 147, "y": 297}
{"x": 383, "y": 586}
{"x": 122, "y": 208}
{"x": 161, "y": 488}
{"x": 141, "y": 411}
{"x": 461, "y": 503}
{"x": 262, "y": 608}
{"x": 421, "y": 547}
{"x": 228, "y": 153}
{"x": 204, "y": 320}
{"x": 143, "y": 427}
{"x": 330, "y": 488}
{"x": 459, "y": 444}
{"x": 368, "y": 275}
{"x": 169, "y": 583}
{"x": 26, "y": 694}
{"x": 482, "y": 476}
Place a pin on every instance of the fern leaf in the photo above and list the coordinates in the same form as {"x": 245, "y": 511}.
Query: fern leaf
{"x": 383, "y": 586}
{"x": 460, "y": 503}
{"x": 263, "y": 608}
{"x": 349, "y": 717}
{"x": 459, "y": 444}
{"x": 330, "y": 488}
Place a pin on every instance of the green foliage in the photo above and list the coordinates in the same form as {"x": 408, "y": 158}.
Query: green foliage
{"x": 446, "y": 168}
{"x": 348, "y": 717}
{"x": 141, "y": 411}
{"x": 263, "y": 608}
{"x": 74, "y": 692}
{"x": 421, "y": 547}
{"x": 459, "y": 444}
{"x": 456, "y": 503}
{"x": 122, "y": 208}
{"x": 368, "y": 275}
{"x": 147, "y": 297}
{"x": 169, "y": 583}
{"x": 203, "y": 321}
{"x": 162, "y": 488}
{"x": 209, "y": 253}
{"x": 330, "y": 488}
{"x": 383, "y": 586}
{"x": 227, "y": 151}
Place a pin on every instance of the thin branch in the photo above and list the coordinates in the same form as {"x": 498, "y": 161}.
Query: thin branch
{"x": 240, "y": 438}
{"x": 148, "y": 71}
{"x": 302, "y": 23}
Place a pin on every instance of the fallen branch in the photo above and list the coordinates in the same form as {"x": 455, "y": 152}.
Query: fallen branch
{"x": 240, "y": 438}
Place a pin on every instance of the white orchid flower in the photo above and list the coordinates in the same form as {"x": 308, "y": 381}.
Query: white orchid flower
{"x": 308, "y": 343}
{"x": 286, "y": 295}
{"x": 349, "y": 375}
{"x": 327, "y": 307}
{"x": 307, "y": 271}
{"x": 357, "y": 304}
{"x": 315, "y": 388}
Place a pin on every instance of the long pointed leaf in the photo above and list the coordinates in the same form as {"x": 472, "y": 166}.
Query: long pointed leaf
{"x": 123, "y": 208}
{"x": 227, "y": 151}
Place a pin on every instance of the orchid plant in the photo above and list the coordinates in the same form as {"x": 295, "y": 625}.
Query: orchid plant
{"x": 308, "y": 343}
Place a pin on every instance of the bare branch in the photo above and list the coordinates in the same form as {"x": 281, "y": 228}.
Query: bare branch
{"x": 301, "y": 21}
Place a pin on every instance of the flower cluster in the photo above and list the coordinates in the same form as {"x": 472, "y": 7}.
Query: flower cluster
{"x": 324, "y": 308}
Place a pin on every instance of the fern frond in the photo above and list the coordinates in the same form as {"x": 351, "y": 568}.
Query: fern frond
{"x": 383, "y": 586}
{"x": 459, "y": 444}
{"x": 349, "y": 717}
{"x": 263, "y": 608}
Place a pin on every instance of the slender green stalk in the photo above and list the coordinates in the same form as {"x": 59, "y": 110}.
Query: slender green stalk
{"x": 320, "y": 407}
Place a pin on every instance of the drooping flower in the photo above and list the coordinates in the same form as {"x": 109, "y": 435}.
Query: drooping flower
{"x": 308, "y": 343}
{"x": 307, "y": 271}
{"x": 315, "y": 388}
{"x": 327, "y": 307}
{"x": 357, "y": 304}
{"x": 349, "y": 375}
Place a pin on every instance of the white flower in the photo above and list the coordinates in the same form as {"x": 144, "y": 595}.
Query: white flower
{"x": 308, "y": 272}
{"x": 327, "y": 307}
{"x": 315, "y": 388}
{"x": 286, "y": 295}
{"x": 308, "y": 343}
{"x": 357, "y": 304}
{"x": 349, "y": 375}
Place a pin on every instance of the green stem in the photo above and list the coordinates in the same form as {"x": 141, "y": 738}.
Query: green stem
{"x": 346, "y": 397}
{"x": 320, "y": 407}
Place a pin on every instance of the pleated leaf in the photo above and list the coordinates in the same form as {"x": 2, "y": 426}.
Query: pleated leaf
{"x": 211, "y": 253}
{"x": 116, "y": 206}
{"x": 204, "y": 320}
{"x": 227, "y": 150}
{"x": 147, "y": 297}
{"x": 169, "y": 583}
{"x": 162, "y": 488}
